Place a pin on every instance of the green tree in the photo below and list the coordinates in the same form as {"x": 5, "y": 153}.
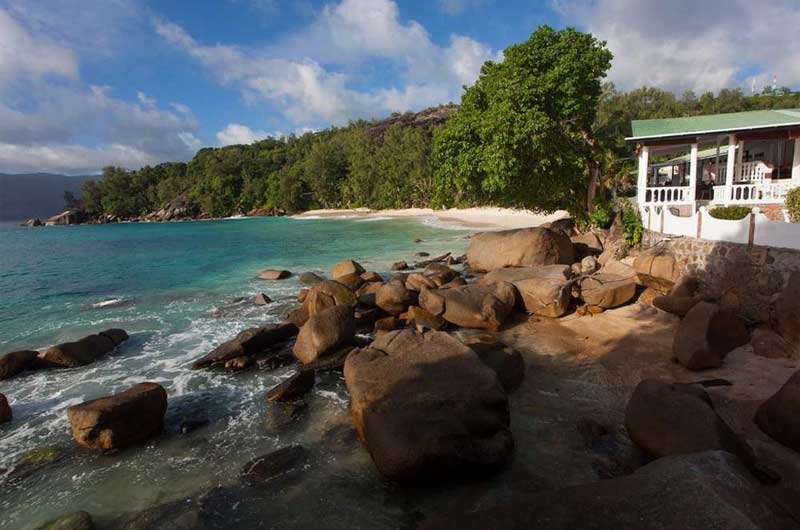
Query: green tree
{"x": 523, "y": 134}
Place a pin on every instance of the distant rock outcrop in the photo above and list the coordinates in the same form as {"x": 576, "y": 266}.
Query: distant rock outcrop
{"x": 420, "y": 120}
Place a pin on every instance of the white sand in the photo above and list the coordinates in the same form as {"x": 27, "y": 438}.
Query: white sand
{"x": 484, "y": 218}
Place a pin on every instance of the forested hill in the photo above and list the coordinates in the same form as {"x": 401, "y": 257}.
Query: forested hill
{"x": 24, "y": 196}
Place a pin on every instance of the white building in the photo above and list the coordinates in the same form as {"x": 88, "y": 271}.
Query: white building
{"x": 747, "y": 158}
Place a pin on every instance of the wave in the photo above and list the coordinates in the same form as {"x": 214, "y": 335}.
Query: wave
{"x": 105, "y": 304}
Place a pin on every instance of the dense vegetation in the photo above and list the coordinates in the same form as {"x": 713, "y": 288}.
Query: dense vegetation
{"x": 538, "y": 130}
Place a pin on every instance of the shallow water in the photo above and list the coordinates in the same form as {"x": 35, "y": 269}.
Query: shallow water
{"x": 177, "y": 288}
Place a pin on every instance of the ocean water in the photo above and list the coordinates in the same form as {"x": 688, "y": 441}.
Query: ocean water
{"x": 180, "y": 289}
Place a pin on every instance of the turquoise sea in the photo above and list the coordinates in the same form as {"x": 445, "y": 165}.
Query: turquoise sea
{"x": 180, "y": 289}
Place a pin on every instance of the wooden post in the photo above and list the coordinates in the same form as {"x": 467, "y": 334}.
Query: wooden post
{"x": 693, "y": 178}
{"x": 731, "y": 168}
{"x": 700, "y": 222}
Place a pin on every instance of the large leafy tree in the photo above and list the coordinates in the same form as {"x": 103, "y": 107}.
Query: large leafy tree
{"x": 523, "y": 134}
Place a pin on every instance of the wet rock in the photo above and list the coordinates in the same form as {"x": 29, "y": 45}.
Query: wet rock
{"x": 706, "y": 335}
{"x": 265, "y": 469}
{"x": 339, "y": 437}
{"x": 657, "y": 268}
{"x": 274, "y": 360}
{"x": 310, "y": 278}
{"x": 185, "y": 514}
{"x": 542, "y": 290}
{"x": 248, "y": 343}
{"x": 15, "y": 362}
{"x": 427, "y": 408}
{"x": 120, "y": 420}
{"x": 262, "y": 299}
{"x": 767, "y": 343}
{"x": 332, "y": 361}
{"x": 73, "y": 521}
{"x": 471, "y": 306}
{"x": 84, "y": 351}
{"x": 193, "y": 423}
{"x": 506, "y": 362}
{"x": 352, "y": 281}
{"x": 35, "y": 460}
{"x": 280, "y": 415}
{"x": 677, "y": 305}
{"x": 273, "y": 274}
{"x": 292, "y": 388}
{"x": 422, "y": 254}
{"x": 327, "y": 294}
{"x": 786, "y": 312}
{"x": 325, "y": 332}
{"x": 666, "y": 419}
{"x": 345, "y": 267}
{"x": 527, "y": 247}
{"x": 5, "y": 409}
{"x": 416, "y": 316}
{"x": 699, "y": 491}
{"x": 239, "y": 363}
{"x": 394, "y": 298}
{"x": 779, "y": 416}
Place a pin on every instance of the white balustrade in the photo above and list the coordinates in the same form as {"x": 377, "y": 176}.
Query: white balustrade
{"x": 667, "y": 195}
{"x": 754, "y": 193}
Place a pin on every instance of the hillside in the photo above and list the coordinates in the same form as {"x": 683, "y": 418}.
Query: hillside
{"x": 23, "y": 196}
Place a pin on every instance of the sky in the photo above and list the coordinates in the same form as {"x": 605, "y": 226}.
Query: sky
{"x": 90, "y": 83}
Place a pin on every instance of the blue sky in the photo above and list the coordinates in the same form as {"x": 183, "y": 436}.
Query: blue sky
{"x": 88, "y": 83}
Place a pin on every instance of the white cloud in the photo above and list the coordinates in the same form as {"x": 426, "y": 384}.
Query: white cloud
{"x": 51, "y": 121}
{"x": 308, "y": 76}
{"x": 685, "y": 44}
{"x": 236, "y": 133}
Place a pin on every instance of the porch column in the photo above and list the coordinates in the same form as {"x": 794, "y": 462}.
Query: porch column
{"x": 796, "y": 161}
{"x": 730, "y": 169}
{"x": 641, "y": 182}
{"x": 739, "y": 158}
{"x": 693, "y": 176}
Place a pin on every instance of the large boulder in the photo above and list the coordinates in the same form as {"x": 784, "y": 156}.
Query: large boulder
{"x": 700, "y": 491}
{"x": 292, "y": 388}
{"x": 310, "y": 278}
{"x": 471, "y": 306}
{"x": 84, "y": 351}
{"x": 324, "y": 332}
{"x": 426, "y": 407}
{"x": 587, "y": 244}
{"x": 527, "y": 247}
{"x": 543, "y": 290}
{"x": 5, "y": 410}
{"x": 786, "y": 312}
{"x": 247, "y": 343}
{"x": 767, "y": 343}
{"x": 706, "y": 335}
{"x": 657, "y": 267}
{"x": 120, "y": 420}
{"x": 677, "y": 305}
{"x": 346, "y": 267}
{"x": 394, "y": 298}
{"x": 779, "y": 416}
{"x": 506, "y": 362}
{"x": 614, "y": 285}
{"x": 18, "y": 361}
{"x": 671, "y": 419}
{"x": 327, "y": 294}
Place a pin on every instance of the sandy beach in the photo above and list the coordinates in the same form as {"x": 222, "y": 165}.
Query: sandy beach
{"x": 486, "y": 218}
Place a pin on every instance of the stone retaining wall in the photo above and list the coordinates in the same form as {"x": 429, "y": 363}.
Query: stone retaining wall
{"x": 739, "y": 276}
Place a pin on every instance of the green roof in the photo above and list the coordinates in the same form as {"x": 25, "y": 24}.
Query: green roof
{"x": 715, "y": 123}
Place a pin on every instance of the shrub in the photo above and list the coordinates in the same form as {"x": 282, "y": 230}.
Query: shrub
{"x": 731, "y": 213}
{"x": 632, "y": 224}
{"x": 793, "y": 205}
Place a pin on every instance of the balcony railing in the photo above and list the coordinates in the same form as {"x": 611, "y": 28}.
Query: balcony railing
{"x": 667, "y": 195}
{"x": 754, "y": 193}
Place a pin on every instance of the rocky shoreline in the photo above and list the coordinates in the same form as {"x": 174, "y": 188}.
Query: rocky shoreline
{"x": 442, "y": 357}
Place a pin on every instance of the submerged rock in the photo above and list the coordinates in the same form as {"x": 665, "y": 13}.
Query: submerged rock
{"x": 5, "y": 409}
{"x": 73, "y": 521}
{"x": 427, "y": 408}
{"x": 120, "y": 420}
{"x": 281, "y": 414}
{"x": 84, "y": 351}
{"x": 779, "y": 416}
{"x": 324, "y": 332}
{"x": 277, "y": 464}
{"x": 706, "y": 335}
{"x": 527, "y": 247}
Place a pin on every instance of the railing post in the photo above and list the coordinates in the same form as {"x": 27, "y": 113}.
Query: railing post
{"x": 751, "y": 235}
{"x": 693, "y": 178}
{"x": 700, "y": 213}
{"x": 730, "y": 168}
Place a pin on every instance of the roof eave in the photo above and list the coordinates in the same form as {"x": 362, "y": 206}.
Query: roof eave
{"x": 711, "y": 131}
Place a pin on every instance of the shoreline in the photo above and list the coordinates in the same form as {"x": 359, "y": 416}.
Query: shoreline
{"x": 487, "y": 217}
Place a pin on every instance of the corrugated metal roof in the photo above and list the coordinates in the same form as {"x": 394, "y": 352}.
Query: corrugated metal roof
{"x": 714, "y": 123}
